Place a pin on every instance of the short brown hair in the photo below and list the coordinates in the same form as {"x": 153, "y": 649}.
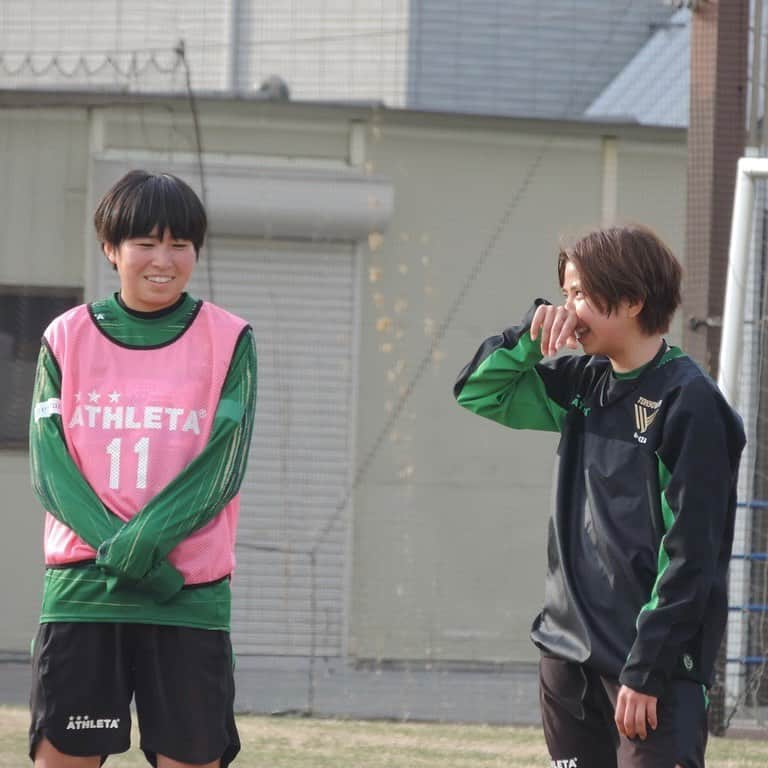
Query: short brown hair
{"x": 628, "y": 263}
{"x": 141, "y": 202}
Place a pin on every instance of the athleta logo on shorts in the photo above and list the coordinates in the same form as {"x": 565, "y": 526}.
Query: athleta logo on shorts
{"x": 82, "y": 722}
{"x": 569, "y": 762}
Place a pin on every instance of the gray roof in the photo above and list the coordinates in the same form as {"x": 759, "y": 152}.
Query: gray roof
{"x": 523, "y": 57}
{"x": 653, "y": 88}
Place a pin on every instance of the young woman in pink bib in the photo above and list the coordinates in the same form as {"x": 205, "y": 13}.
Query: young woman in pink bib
{"x": 141, "y": 423}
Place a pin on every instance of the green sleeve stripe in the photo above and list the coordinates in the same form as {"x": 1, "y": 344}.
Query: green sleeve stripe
{"x": 507, "y": 388}
{"x": 669, "y": 519}
{"x": 524, "y": 355}
{"x": 666, "y": 510}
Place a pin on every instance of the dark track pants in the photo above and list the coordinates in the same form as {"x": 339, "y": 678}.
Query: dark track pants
{"x": 577, "y": 706}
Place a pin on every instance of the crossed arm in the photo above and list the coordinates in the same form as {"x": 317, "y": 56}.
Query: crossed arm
{"x": 134, "y": 553}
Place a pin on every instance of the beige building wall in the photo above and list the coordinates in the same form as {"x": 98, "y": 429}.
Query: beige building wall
{"x": 449, "y": 527}
{"x": 43, "y": 165}
{"x": 447, "y": 524}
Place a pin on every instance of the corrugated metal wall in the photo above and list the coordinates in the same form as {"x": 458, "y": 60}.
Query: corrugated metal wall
{"x": 292, "y": 542}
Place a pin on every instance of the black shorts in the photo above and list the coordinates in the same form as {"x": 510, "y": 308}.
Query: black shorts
{"x": 577, "y": 707}
{"x": 85, "y": 674}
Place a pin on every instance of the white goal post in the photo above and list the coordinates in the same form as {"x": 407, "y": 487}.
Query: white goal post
{"x": 734, "y": 386}
{"x": 749, "y": 169}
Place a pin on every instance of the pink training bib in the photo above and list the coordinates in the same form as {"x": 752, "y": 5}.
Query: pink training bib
{"x": 135, "y": 418}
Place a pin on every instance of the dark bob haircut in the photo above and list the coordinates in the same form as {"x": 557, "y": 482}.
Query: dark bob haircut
{"x": 142, "y": 203}
{"x": 629, "y": 263}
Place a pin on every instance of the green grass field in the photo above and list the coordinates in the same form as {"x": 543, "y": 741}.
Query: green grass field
{"x": 301, "y": 743}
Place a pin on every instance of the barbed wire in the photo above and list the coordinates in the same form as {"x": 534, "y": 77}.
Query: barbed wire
{"x": 83, "y": 65}
{"x": 60, "y": 61}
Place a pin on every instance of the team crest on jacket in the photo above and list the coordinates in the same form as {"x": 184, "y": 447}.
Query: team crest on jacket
{"x": 645, "y": 413}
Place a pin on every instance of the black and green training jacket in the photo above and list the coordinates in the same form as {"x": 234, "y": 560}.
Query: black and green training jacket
{"x": 642, "y": 523}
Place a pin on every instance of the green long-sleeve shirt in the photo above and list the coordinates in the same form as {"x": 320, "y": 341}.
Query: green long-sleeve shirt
{"x": 131, "y": 581}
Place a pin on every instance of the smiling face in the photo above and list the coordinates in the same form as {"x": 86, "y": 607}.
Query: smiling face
{"x": 154, "y": 270}
{"x": 597, "y": 332}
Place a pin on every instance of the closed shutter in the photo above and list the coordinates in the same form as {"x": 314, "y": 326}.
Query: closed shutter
{"x": 300, "y": 300}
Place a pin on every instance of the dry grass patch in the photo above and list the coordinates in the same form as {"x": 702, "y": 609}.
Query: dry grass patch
{"x": 309, "y": 743}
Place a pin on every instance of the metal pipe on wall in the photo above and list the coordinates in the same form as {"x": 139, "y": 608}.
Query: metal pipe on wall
{"x": 753, "y": 138}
